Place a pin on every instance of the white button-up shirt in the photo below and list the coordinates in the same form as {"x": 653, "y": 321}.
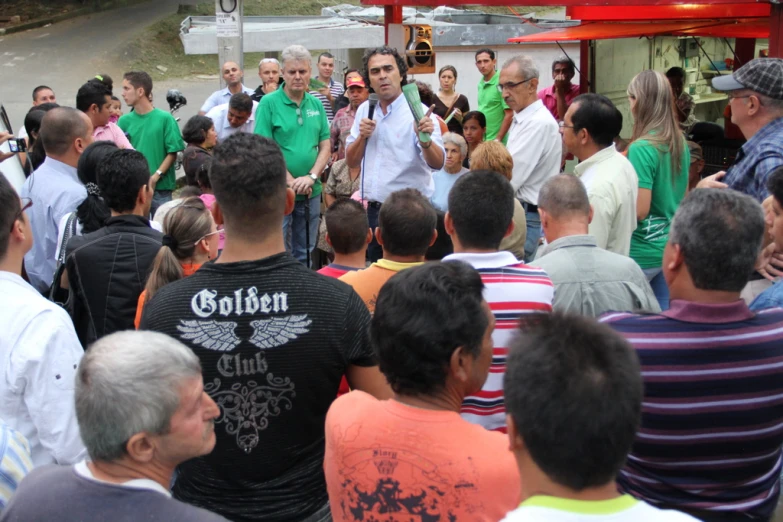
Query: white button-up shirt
{"x": 393, "y": 159}
{"x": 219, "y": 116}
{"x": 612, "y": 186}
{"x": 55, "y": 190}
{"x": 220, "y": 97}
{"x": 83, "y": 471}
{"x": 39, "y": 353}
{"x": 535, "y": 143}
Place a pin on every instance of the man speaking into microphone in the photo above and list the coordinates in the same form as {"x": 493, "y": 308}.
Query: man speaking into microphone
{"x": 384, "y": 140}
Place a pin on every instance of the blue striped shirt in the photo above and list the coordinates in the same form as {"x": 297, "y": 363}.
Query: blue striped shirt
{"x": 15, "y": 461}
{"x": 712, "y": 415}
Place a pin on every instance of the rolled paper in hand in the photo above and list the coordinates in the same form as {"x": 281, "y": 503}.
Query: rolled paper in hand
{"x": 448, "y": 118}
{"x": 411, "y": 92}
{"x": 316, "y": 84}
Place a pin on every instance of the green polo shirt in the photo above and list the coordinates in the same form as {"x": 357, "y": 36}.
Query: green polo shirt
{"x": 491, "y": 104}
{"x": 297, "y": 130}
{"x": 653, "y": 165}
{"x": 155, "y": 134}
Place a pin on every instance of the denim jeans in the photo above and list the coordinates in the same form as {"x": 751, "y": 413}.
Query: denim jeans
{"x": 159, "y": 197}
{"x": 658, "y": 284}
{"x": 295, "y": 229}
{"x": 533, "y": 235}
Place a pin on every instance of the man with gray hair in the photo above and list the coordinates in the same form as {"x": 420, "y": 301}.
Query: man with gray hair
{"x": 588, "y": 279}
{"x": 142, "y": 411}
{"x": 297, "y": 122}
{"x": 710, "y": 438}
{"x": 559, "y": 96}
{"x": 755, "y": 93}
{"x": 534, "y": 141}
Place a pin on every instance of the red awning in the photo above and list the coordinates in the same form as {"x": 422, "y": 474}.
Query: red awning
{"x": 757, "y": 28}
{"x": 752, "y": 28}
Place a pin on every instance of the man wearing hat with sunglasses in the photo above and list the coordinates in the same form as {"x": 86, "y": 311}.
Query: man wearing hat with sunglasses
{"x": 755, "y": 93}
{"x": 357, "y": 93}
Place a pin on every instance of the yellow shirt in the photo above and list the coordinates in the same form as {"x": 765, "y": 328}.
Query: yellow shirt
{"x": 368, "y": 282}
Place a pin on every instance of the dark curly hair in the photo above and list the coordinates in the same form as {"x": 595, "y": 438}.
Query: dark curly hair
{"x": 93, "y": 212}
{"x": 385, "y": 50}
{"x": 121, "y": 175}
{"x": 422, "y": 315}
{"x": 196, "y": 129}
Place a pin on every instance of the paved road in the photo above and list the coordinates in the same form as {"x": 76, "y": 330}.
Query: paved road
{"x": 66, "y": 54}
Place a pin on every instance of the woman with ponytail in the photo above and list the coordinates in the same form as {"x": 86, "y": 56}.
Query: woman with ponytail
{"x": 190, "y": 240}
{"x": 661, "y": 159}
{"x": 92, "y": 212}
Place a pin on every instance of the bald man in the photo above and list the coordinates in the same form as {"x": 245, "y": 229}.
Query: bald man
{"x": 54, "y": 189}
{"x": 232, "y": 75}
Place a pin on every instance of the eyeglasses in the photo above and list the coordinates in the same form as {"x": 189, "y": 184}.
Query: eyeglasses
{"x": 511, "y": 85}
{"x": 299, "y": 119}
{"x": 735, "y": 97}
{"x": 26, "y": 203}
{"x": 206, "y": 236}
{"x": 564, "y": 126}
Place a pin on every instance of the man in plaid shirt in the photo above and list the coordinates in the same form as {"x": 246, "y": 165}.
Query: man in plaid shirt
{"x": 755, "y": 93}
{"x": 343, "y": 120}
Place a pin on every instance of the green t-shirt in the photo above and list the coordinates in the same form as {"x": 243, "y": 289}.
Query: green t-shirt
{"x": 297, "y": 130}
{"x": 491, "y": 104}
{"x": 155, "y": 135}
{"x": 654, "y": 170}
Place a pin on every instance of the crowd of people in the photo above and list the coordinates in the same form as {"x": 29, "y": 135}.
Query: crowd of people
{"x": 489, "y": 338}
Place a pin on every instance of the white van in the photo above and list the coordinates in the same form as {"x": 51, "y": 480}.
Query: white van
{"x": 12, "y": 167}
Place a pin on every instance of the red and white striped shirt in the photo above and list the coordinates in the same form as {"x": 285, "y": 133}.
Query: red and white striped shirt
{"x": 512, "y": 289}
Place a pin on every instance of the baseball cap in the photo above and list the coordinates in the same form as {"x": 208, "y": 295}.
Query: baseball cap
{"x": 353, "y": 82}
{"x": 763, "y": 75}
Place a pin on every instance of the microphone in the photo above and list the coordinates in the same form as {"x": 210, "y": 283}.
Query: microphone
{"x": 370, "y": 113}
{"x": 373, "y": 102}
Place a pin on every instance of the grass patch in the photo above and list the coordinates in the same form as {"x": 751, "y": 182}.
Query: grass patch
{"x": 32, "y": 10}
{"x": 160, "y": 43}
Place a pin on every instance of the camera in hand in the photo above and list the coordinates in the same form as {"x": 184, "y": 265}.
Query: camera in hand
{"x": 17, "y": 145}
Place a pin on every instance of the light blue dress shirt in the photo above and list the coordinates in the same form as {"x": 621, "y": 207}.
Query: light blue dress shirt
{"x": 443, "y": 183}
{"x": 393, "y": 159}
{"x": 220, "y": 97}
{"x": 55, "y": 190}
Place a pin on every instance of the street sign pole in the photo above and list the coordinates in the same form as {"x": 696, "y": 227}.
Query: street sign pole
{"x": 228, "y": 14}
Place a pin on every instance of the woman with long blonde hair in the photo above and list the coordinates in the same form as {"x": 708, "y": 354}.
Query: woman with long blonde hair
{"x": 190, "y": 240}
{"x": 661, "y": 158}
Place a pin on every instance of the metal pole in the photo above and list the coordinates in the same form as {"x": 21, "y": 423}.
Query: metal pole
{"x": 307, "y": 230}
{"x": 229, "y": 15}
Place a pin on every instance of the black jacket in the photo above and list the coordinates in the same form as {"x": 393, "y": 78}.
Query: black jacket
{"x": 107, "y": 271}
